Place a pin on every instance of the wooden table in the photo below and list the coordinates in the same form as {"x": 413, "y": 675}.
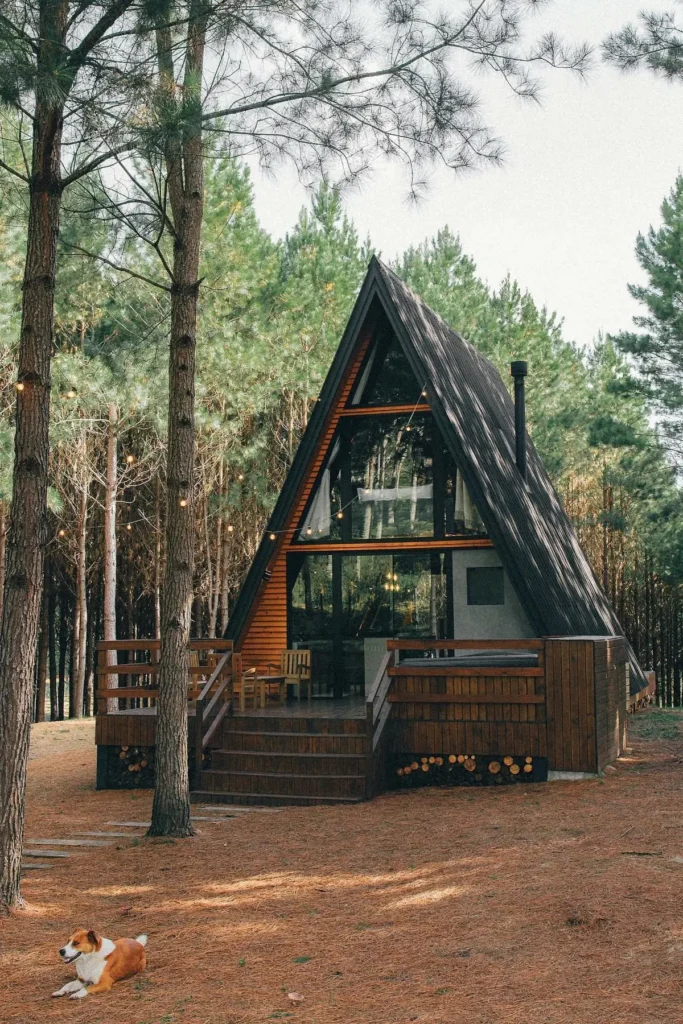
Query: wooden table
{"x": 266, "y": 681}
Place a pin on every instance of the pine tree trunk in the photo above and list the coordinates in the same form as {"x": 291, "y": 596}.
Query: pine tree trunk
{"x": 63, "y": 648}
{"x": 109, "y": 611}
{"x": 157, "y": 564}
{"x": 184, "y": 170}
{"x": 89, "y": 695}
{"x": 80, "y": 612}
{"x": 52, "y": 649}
{"x": 41, "y": 667}
{"x": 2, "y": 551}
{"x": 27, "y": 528}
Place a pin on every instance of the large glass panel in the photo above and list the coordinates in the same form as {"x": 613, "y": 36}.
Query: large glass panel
{"x": 387, "y": 379}
{"x": 311, "y": 617}
{"x": 378, "y": 483}
{"x": 341, "y": 604}
{"x": 367, "y": 595}
{"x": 419, "y": 596}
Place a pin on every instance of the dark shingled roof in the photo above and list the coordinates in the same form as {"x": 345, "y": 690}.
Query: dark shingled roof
{"x": 473, "y": 410}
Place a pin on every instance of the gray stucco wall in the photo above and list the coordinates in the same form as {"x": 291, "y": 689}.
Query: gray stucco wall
{"x": 485, "y": 622}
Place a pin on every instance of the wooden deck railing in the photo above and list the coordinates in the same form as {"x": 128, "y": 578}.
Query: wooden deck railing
{"x": 204, "y": 679}
{"x": 383, "y": 695}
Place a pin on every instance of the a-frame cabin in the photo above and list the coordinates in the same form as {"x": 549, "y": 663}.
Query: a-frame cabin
{"x": 419, "y": 551}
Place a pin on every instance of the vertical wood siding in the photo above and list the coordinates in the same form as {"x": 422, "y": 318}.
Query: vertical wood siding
{"x": 265, "y": 635}
{"x": 468, "y": 726}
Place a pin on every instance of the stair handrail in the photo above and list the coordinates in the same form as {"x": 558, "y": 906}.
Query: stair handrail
{"x": 204, "y": 709}
{"x": 377, "y": 712}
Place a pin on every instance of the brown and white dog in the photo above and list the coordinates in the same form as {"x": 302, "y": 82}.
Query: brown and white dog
{"x": 100, "y": 962}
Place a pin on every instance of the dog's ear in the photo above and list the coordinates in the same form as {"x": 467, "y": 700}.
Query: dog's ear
{"x": 94, "y": 939}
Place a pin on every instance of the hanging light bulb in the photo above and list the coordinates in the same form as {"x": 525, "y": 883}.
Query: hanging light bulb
{"x": 71, "y": 393}
{"x": 230, "y": 527}
{"x": 340, "y": 515}
{"x": 309, "y": 531}
{"x": 273, "y": 536}
{"x": 128, "y": 526}
{"x": 130, "y": 459}
{"x": 240, "y": 477}
{"x": 20, "y": 385}
{"x": 183, "y": 502}
{"x": 395, "y": 577}
{"x": 62, "y": 533}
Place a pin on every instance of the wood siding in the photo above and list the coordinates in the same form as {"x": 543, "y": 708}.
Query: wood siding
{"x": 265, "y": 635}
{"x": 571, "y": 704}
{"x": 475, "y": 714}
{"x": 611, "y": 697}
{"x": 126, "y": 730}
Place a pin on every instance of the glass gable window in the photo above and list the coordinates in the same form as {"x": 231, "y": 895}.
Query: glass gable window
{"x": 389, "y": 478}
{"x": 378, "y": 483}
{"x": 386, "y": 378}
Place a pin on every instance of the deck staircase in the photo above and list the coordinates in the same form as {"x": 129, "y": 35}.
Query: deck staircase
{"x": 287, "y": 760}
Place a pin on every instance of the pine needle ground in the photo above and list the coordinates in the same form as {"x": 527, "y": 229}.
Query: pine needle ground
{"x": 554, "y": 903}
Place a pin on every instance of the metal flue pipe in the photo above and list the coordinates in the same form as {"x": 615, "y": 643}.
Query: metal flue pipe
{"x": 519, "y": 370}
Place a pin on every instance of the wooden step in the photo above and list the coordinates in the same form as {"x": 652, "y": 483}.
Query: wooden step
{"x": 271, "y": 799}
{"x": 273, "y": 723}
{"x": 285, "y": 763}
{"x": 294, "y": 742}
{"x": 278, "y": 784}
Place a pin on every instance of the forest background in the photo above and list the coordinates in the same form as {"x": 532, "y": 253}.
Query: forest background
{"x": 271, "y": 315}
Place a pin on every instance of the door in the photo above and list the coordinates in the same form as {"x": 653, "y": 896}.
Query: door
{"x": 337, "y": 601}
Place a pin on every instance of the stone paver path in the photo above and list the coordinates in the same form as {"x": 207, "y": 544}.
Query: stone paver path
{"x": 42, "y": 849}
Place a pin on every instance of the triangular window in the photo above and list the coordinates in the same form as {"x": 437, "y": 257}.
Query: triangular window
{"x": 387, "y": 378}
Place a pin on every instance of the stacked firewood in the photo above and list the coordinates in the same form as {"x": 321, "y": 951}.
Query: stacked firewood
{"x": 131, "y": 767}
{"x": 468, "y": 770}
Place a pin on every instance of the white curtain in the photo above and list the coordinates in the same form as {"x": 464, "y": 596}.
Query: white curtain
{"x": 465, "y": 512}
{"x": 416, "y": 492}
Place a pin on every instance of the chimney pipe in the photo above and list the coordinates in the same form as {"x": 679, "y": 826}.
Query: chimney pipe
{"x": 518, "y": 370}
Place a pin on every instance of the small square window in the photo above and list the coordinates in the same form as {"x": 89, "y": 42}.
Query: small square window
{"x": 485, "y": 585}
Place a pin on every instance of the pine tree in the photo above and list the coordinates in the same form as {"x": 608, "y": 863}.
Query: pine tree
{"x": 657, "y": 349}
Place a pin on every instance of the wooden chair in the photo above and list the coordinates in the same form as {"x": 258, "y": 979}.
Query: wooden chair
{"x": 247, "y": 688}
{"x": 295, "y": 666}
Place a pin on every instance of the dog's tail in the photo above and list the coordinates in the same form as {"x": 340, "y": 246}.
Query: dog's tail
{"x": 142, "y": 939}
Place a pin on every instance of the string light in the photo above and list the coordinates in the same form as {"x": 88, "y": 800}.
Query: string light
{"x": 309, "y": 531}
{"x": 340, "y": 515}
{"x": 240, "y": 477}
{"x": 273, "y": 536}
{"x": 129, "y": 526}
{"x": 183, "y": 502}
{"x": 130, "y": 459}
{"x": 62, "y": 533}
{"x": 230, "y": 527}
{"x": 71, "y": 394}
{"x": 20, "y": 385}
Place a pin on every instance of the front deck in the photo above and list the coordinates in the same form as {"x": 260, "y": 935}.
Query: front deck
{"x": 560, "y": 704}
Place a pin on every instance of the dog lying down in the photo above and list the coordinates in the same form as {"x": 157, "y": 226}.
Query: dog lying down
{"x": 100, "y": 962}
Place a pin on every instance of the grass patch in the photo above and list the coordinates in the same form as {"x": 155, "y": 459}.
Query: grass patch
{"x": 656, "y": 724}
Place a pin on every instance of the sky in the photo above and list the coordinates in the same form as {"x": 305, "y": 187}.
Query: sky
{"x": 583, "y": 173}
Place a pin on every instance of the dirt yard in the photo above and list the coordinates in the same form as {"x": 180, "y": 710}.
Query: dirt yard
{"x": 549, "y": 904}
